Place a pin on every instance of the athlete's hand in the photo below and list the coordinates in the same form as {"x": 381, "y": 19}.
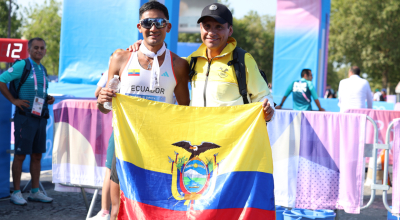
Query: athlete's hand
{"x": 268, "y": 110}
{"x": 321, "y": 109}
{"x": 19, "y": 103}
{"x": 134, "y": 47}
{"x": 278, "y": 107}
{"x": 50, "y": 100}
{"x": 106, "y": 95}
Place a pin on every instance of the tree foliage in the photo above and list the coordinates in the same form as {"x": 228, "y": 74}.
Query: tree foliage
{"x": 366, "y": 34}
{"x": 254, "y": 33}
{"x": 44, "y": 21}
{"x": 16, "y": 22}
{"x": 335, "y": 74}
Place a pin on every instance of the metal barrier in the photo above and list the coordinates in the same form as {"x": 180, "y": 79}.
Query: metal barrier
{"x": 386, "y": 170}
{"x": 372, "y": 148}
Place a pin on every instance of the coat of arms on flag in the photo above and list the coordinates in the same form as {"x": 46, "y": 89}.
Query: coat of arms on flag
{"x": 180, "y": 162}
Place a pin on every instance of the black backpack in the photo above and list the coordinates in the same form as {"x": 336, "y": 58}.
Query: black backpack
{"x": 25, "y": 73}
{"x": 240, "y": 70}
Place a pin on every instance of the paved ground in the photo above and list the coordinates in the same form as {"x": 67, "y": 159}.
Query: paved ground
{"x": 71, "y": 205}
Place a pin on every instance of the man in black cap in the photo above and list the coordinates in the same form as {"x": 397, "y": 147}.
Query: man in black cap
{"x": 214, "y": 81}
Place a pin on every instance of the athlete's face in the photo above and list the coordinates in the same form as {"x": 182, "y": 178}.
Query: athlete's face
{"x": 214, "y": 34}
{"x": 153, "y": 36}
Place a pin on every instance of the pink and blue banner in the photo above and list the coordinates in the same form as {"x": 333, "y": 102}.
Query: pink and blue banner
{"x": 318, "y": 159}
{"x": 81, "y": 134}
{"x": 301, "y": 41}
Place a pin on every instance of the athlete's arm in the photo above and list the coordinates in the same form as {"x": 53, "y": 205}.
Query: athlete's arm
{"x": 280, "y": 105}
{"x": 315, "y": 96}
{"x": 319, "y": 105}
{"x": 287, "y": 93}
{"x": 181, "y": 71}
{"x": 118, "y": 61}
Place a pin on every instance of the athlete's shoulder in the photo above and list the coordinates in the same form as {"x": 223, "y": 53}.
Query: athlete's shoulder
{"x": 121, "y": 56}
{"x": 178, "y": 62}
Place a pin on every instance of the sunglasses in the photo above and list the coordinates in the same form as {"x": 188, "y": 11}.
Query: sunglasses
{"x": 158, "y": 22}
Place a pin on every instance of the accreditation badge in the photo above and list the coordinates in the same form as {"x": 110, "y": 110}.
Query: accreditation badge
{"x": 37, "y": 106}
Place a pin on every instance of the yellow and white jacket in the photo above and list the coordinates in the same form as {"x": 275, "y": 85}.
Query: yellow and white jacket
{"x": 215, "y": 82}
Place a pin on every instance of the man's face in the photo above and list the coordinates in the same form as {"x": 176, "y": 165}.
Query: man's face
{"x": 154, "y": 36}
{"x": 37, "y": 50}
{"x": 309, "y": 77}
{"x": 213, "y": 34}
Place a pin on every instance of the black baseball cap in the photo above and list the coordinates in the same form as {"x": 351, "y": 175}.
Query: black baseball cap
{"x": 219, "y": 12}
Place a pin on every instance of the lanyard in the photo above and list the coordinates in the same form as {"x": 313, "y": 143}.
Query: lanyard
{"x": 34, "y": 79}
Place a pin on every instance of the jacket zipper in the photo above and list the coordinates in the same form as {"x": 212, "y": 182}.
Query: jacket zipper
{"x": 205, "y": 84}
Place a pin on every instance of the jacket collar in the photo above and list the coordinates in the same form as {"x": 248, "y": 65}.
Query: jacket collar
{"x": 202, "y": 50}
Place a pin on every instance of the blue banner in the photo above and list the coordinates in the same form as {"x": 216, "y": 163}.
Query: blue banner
{"x": 5, "y": 128}
{"x": 91, "y": 31}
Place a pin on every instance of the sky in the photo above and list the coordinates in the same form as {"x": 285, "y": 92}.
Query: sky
{"x": 240, "y": 7}
{"x": 263, "y": 7}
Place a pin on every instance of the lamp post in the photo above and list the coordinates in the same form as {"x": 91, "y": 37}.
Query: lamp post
{"x": 9, "y": 26}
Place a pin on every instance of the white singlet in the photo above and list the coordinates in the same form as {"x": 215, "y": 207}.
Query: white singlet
{"x": 135, "y": 81}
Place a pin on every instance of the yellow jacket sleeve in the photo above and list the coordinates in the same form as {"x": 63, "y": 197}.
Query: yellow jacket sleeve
{"x": 257, "y": 88}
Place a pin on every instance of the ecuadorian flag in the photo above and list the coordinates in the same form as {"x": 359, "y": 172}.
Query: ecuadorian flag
{"x": 134, "y": 72}
{"x": 179, "y": 162}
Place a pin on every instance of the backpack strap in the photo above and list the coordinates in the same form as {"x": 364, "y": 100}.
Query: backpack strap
{"x": 25, "y": 74}
{"x": 240, "y": 71}
{"x": 192, "y": 65}
{"x": 264, "y": 76}
{"x": 45, "y": 71}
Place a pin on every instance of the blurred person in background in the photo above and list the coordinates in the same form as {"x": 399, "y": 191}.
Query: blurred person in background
{"x": 377, "y": 95}
{"x": 31, "y": 100}
{"x": 384, "y": 95}
{"x": 354, "y": 91}
{"x": 329, "y": 93}
{"x": 302, "y": 90}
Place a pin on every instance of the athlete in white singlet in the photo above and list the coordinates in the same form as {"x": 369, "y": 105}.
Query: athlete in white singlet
{"x": 135, "y": 80}
{"x": 138, "y": 71}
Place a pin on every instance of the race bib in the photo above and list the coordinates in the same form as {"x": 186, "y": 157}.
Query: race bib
{"x": 37, "y": 106}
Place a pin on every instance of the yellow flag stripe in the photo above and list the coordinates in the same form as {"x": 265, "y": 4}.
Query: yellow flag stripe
{"x": 145, "y": 131}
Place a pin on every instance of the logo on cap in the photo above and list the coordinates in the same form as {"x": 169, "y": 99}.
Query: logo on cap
{"x": 213, "y": 7}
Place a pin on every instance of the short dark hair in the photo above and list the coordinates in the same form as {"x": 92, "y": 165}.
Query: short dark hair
{"x": 305, "y": 72}
{"x": 355, "y": 70}
{"x": 153, "y": 5}
{"x": 36, "y": 38}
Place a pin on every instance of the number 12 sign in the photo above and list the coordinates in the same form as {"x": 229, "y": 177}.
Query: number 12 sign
{"x": 12, "y": 49}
